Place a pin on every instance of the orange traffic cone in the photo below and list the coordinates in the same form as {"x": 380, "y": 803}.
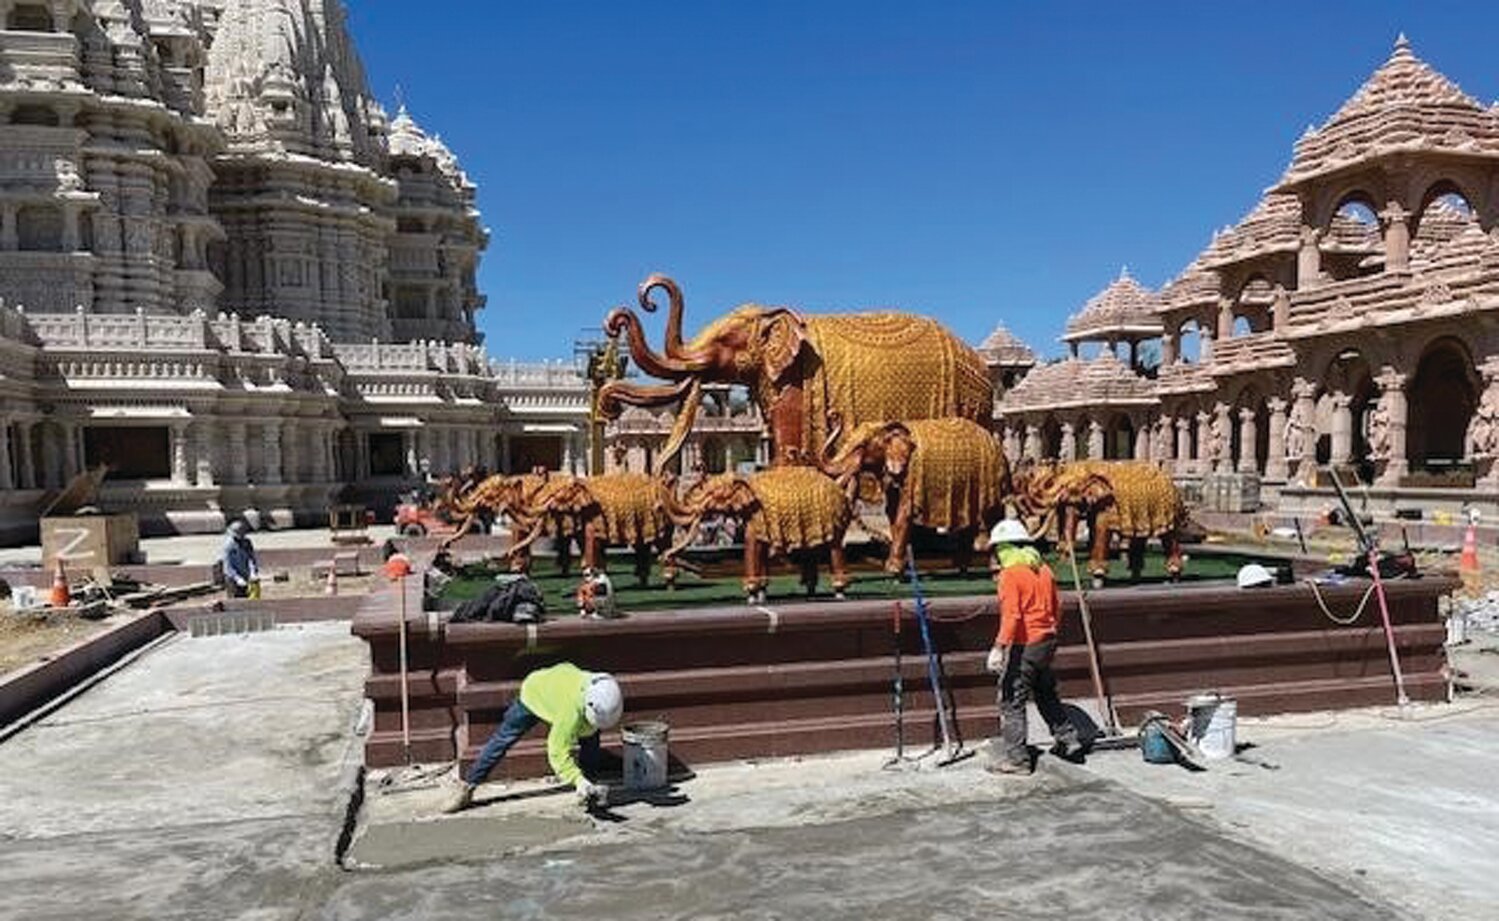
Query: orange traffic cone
{"x": 1468, "y": 568}
{"x": 60, "y": 595}
{"x": 330, "y": 585}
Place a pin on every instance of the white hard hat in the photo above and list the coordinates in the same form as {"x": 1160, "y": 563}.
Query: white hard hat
{"x": 1010, "y": 531}
{"x": 603, "y": 703}
{"x": 1254, "y": 575}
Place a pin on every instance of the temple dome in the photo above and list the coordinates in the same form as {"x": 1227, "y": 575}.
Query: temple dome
{"x": 1100, "y": 381}
{"x": 1125, "y": 309}
{"x": 1002, "y": 347}
{"x": 1404, "y": 105}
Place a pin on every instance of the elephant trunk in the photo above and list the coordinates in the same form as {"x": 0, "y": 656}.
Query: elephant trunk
{"x": 616, "y": 394}
{"x": 676, "y": 303}
{"x": 647, "y": 359}
{"x": 686, "y": 415}
{"x": 679, "y": 514}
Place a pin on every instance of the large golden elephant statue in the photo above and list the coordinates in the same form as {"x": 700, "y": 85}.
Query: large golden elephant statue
{"x": 800, "y": 368}
{"x": 949, "y": 475}
{"x": 785, "y": 511}
{"x": 613, "y": 509}
{"x": 516, "y": 497}
{"x": 1132, "y": 500}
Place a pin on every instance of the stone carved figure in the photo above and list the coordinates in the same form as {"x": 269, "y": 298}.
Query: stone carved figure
{"x": 1483, "y": 428}
{"x": 1298, "y": 428}
{"x": 802, "y": 369}
{"x": 68, "y": 179}
{"x": 947, "y": 475}
{"x": 1217, "y": 437}
{"x": 1378, "y": 431}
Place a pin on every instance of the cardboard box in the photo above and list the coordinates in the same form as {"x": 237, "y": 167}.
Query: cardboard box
{"x": 90, "y": 543}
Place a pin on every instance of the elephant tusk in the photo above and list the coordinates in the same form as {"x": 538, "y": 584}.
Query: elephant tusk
{"x": 685, "y": 417}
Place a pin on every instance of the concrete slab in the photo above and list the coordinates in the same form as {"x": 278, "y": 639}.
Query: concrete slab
{"x": 203, "y": 549}
{"x": 852, "y": 842}
{"x": 1402, "y": 809}
{"x": 208, "y": 779}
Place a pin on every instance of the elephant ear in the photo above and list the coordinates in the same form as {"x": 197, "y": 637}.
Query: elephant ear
{"x": 783, "y": 333}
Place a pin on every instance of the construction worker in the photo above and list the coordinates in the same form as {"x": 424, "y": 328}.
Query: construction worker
{"x": 241, "y": 568}
{"x": 1029, "y": 615}
{"x": 575, "y": 704}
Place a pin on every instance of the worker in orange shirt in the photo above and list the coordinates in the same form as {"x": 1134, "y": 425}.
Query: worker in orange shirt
{"x": 1029, "y": 616}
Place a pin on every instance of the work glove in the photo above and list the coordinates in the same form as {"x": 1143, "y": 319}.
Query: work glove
{"x": 996, "y": 661}
{"x": 591, "y": 794}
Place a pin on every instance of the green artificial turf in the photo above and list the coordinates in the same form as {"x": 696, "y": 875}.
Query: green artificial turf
{"x": 721, "y": 584}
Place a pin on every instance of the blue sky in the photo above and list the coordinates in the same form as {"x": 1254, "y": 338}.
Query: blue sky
{"x": 977, "y": 162}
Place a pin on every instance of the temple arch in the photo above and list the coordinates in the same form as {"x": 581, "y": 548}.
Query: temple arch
{"x": 1051, "y": 438}
{"x": 1442, "y": 397}
{"x": 1119, "y": 438}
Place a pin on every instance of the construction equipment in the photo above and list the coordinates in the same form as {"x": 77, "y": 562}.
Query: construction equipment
{"x": 1370, "y": 547}
{"x": 898, "y": 692}
{"x": 1106, "y": 711}
{"x": 952, "y": 746}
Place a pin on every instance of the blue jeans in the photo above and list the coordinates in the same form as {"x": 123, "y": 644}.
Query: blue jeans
{"x": 516, "y": 722}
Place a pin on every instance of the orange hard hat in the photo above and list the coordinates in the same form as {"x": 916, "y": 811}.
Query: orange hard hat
{"x": 398, "y": 566}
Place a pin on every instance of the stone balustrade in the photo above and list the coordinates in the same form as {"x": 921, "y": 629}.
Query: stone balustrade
{"x": 542, "y": 375}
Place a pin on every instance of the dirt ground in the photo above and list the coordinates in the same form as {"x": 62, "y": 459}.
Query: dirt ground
{"x": 25, "y": 638}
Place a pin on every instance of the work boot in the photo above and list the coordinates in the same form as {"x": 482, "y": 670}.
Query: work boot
{"x": 460, "y": 799}
{"x": 1008, "y": 766}
{"x": 1071, "y": 750}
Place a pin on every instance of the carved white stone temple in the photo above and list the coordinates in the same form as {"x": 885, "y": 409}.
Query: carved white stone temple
{"x": 225, "y": 272}
{"x": 1349, "y": 319}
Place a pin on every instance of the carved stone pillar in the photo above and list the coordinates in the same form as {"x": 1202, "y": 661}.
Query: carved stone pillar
{"x": 1225, "y": 319}
{"x": 1275, "y": 458}
{"x": 1248, "y": 435}
{"x": 1309, "y": 259}
{"x": 1342, "y": 428}
{"x": 180, "y": 474}
{"x": 238, "y": 472}
{"x": 1068, "y": 449}
{"x": 9, "y": 240}
{"x": 1142, "y": 443}
{"x": 1032, "y": 442}
{"x": 292, "y": 453}
{"x": 1281, "y": 313}
{"x": 1183, "y": 463}
{"x": 1095, "y": 440}
{"x": 437, "y": 451}
{"x": 1387, "y": 428}
{"x": 1202, "y": 454}
{"x": 1170, "y": 343}
{"x": 318, "y": 466}
{"x": 72, "y": 450}
{"x": 1481, "y": 442}
{"x": 7, "y": 473}
{"x": 505, "y": 453}
{"x": 1222, "y": 448}
{"x": 1301, "y": 439}
{"x": 1205, "y": 344}
{"x": 413, "y": 453}
{"x": 270, "y": 434}
{"x": 205, "y": 446}
{"x": 567, "y": 453}
{"x": 1397, "y": 238}
{"x": 25, "y": 457}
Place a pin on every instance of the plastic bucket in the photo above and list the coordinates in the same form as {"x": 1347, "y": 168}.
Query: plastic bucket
{"x": 1211, "y": 722}
{"x": 645, "y": 755}
{"x": 1154, "y": 747}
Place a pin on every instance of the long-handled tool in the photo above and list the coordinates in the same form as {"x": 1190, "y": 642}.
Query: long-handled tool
{"x": 405, "y": 677}
{"x": 1106, "y": 711}
{"x": 952, "y": 746}
{"x": 899, "y": 697}
{"x": 1370, "y": 546}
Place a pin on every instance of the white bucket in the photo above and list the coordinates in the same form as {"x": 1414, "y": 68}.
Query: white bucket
{"x": 645, "y": 755}
{"x": 1211, "y": 722}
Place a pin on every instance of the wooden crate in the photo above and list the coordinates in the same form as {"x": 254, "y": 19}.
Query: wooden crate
{"x": 90, "y": 543}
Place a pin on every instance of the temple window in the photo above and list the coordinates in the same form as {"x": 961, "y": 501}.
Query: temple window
{"x": 1354, "y": 245}
{"x": 39, "y": 228}
{"x": 1189, "y": 343}
{"x": 30, "y": 17}
{"x": 34, "y": 115}
{"x": 1442, "y": 398}
{"x": 134, "y": 453}
{"x": 1446, "y": 215}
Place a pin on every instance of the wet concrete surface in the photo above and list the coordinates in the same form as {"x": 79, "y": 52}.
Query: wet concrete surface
{"x": 209, "y": 779}
{"x": 1085, "y": 851}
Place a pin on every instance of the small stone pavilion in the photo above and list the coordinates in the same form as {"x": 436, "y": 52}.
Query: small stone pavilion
{"x": 1349, "y": 318}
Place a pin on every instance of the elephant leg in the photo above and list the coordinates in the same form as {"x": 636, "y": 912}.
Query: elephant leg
{"x": 751, "y": 569}
{"x": 788, "y": 424}
{"x": 837, "y": 562}
{"x": 564, "y": 551}
{"x": 593, "y": 547}
{"x": 963, "y": 552}
{"x": 762, "y": 568}
{"x": 643, "y": 564}
{"x": 1098, "y": 557}
{"x": 807, "y": 559}
{"x": 1136, "y": 557}
{"x": 1171, "y": 543}
{"x": 900, "y": 536}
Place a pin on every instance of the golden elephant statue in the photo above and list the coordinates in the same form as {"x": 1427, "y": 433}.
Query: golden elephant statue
{"x": 1131, "y": 500}
{"x": 949, "y": 475}
{"x": 515, "y": 496}
{"x": 785, "y": 511}
{"x": 613, "y": 509}
{"x": 800, "y": 369}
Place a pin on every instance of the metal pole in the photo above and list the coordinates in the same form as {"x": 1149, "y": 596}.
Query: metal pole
{"x": 405, "y": 678}
{"x": 1105, "y": 705}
